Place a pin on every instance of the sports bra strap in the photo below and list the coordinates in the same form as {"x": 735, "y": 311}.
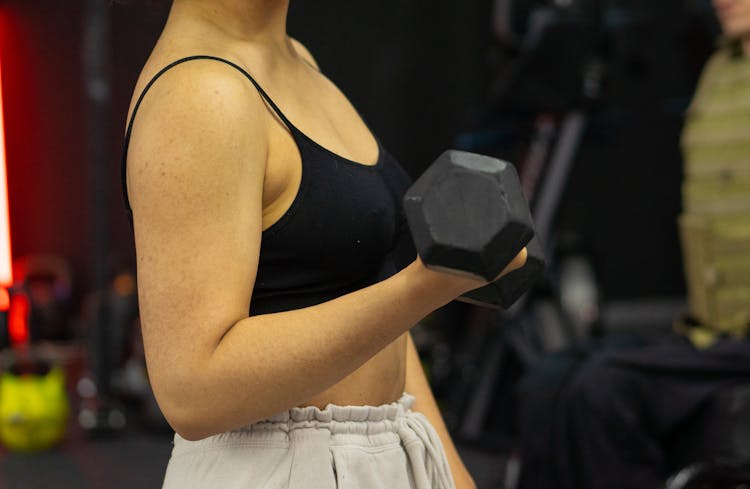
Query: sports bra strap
{"x": 153, "y": 80}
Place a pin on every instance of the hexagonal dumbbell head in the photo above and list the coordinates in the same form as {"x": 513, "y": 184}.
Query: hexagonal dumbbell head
{"x": 467, "y": 215}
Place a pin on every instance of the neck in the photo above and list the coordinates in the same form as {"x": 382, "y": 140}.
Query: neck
{"x": 745, "y": 43}
{"x": 258, "y": 21}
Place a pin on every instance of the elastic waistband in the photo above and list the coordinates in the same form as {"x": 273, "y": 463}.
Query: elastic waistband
{"x": 333, "y": 412}
{"x": 337, "y": 419}
{"x": 375, "y": 423}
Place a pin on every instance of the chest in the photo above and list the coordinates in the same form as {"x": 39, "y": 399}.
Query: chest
{"x": 344, "y": 217}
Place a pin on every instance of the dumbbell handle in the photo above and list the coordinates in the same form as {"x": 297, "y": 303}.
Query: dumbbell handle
{"x": 505, "y": 291}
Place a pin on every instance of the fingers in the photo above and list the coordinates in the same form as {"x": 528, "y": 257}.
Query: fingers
{"x": 517, "y": 262}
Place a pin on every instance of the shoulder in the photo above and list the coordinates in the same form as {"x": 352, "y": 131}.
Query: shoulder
{"x": 304, "y": 53}
{"x": 722, "y": 59}
{"x": 200, "y": 97}
{"x": 200, "y": 122}
{"x": 197, "y": 83}
{"x": 723, "y": 65}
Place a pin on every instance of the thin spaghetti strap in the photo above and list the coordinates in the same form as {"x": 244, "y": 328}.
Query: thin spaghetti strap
{"x": 129, "y": 129}
{"x": 252, "y": 80}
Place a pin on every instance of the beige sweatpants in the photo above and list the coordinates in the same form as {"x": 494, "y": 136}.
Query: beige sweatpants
{"x": 346, "y": 447}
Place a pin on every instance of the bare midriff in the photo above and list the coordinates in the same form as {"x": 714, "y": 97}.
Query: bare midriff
{"x": 378, "y": 381}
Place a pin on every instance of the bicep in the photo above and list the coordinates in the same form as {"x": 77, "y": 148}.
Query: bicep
{"x": 195, "y": 174}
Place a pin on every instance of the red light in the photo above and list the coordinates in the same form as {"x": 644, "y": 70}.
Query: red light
{"x": 6, "y": 274}
{"x": 18, "y": 319}
{"x": 4, "y": 300}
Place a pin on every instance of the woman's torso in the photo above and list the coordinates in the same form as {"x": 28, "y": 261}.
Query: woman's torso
{"x": 320, "y": 111}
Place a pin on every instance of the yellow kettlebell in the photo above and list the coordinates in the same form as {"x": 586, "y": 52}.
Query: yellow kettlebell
{"x": 33, "y": 410}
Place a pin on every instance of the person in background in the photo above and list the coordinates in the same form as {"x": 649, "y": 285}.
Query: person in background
{"x": 614, "y": 421}
{"x": 715, "y": 224}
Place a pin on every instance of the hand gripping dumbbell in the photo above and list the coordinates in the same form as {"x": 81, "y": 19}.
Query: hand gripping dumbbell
{"x": 467, "y": 216}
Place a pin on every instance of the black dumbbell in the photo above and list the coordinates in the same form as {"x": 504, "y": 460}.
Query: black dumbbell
{"x": 467, "y": 216}
{"x": 510, "y": 287}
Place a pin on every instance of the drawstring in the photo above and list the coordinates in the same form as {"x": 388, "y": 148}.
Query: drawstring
{"x": 437, "y": 465}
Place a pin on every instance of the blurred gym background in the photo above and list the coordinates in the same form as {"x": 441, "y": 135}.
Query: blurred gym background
{"x": 587, "y": 96}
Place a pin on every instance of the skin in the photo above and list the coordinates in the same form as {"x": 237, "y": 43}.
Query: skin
{"x": 210, "y": 167}
{"x": 734, "y": 16}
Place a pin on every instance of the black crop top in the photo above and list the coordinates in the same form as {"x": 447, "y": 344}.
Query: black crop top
{"x": 345, "y": 229}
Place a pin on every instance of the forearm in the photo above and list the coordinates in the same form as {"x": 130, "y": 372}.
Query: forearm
{"x": 266, "y": 364}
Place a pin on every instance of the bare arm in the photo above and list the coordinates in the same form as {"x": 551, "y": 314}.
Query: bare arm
{"x": 417, "y": 385}
{"x": 196, "y": 169}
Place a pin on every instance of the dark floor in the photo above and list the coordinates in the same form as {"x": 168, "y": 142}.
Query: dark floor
{"x": 133, "y": 460}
